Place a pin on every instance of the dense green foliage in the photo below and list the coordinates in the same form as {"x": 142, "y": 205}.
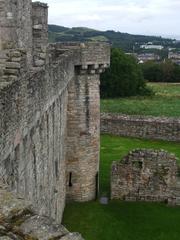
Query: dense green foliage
{"x": 165, "y": 102}
{"x": 161, "y": 72}
{"x": 125, "y": 41}
{"x": 123, "y": 220}
{"x": 123, "y": 78}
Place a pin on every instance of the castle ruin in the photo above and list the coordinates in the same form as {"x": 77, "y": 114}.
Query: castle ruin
{"x": 146, "y": 175}
{"x": 49, "y": 110}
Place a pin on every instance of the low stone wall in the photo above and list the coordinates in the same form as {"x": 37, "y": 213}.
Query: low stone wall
{"x": 18, "y": 220}
{"x": 141, "y": 127}
{"x": 146, "y": 175}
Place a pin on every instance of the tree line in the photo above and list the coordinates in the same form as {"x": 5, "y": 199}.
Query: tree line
{"x": 161, "y": 72}
{"x": 126, "y": 77}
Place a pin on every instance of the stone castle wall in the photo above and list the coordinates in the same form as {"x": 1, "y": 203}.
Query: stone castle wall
{"x": 49, "y": 106}
{"x": 141, "y": 127}
{"x": 33, "y": 130}
{"x": 146, "y": 175}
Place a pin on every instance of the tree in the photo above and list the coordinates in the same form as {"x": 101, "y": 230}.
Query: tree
{"x": 152, "y": 71}
{"x": 161, "y": 72}
{"x": 123, "y": 78}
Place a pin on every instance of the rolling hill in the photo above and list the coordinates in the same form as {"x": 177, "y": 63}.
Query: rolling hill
{"x": 125, "y": 41}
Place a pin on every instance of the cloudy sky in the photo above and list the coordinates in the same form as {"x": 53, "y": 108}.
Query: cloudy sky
{"x": 160, "y": 17}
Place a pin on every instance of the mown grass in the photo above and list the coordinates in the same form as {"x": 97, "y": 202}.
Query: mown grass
{"x": 165, "y": 102}
{"x": 122, "y": 220}
{"x": 166, "y": 89}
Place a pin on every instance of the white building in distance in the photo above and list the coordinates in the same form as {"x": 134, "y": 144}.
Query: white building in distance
{"x": 151, "y": 46}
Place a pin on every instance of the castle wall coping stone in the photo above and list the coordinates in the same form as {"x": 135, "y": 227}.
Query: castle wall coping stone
{"x": 117, "y": 116}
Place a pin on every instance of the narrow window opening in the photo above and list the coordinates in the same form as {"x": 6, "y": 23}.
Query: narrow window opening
{"x": 70, "y": 179}
{"x": 97, "y": 185}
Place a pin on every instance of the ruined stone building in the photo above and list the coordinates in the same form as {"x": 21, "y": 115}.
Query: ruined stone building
{"x": 146, "y": 175}
{"x": 49, "y": 110}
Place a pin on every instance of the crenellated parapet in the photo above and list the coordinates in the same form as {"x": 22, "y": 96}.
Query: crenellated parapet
{"x": 87, "y": 54}
{"x": 91, "y": 69}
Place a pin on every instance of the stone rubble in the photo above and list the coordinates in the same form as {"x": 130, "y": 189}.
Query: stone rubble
{"x": 19, "y": 221}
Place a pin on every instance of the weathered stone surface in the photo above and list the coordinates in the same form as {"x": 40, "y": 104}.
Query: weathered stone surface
{"x": 11, "y": 71}
{"x": 47, "y": 109}
{"x": 42, "y": 228}
{"x": 40, "y": 32}
{"x": 13, "y": 65}
{"x": 27, "y": 225}
{"x": 83, "y": 138}
{"x": 39, "y": 63}
{"x": 146, "y": 175}
{"x": 12, "y": 207}
{"x": 141, "y": 127}
{"x": 5, "y": 238}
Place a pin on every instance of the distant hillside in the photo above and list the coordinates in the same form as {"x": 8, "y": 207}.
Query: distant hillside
{"x": 123, "y": 40}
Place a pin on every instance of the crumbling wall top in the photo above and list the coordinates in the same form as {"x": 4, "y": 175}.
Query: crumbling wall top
{"x": 145, "y": 175}
{"x": 39, "y": 4}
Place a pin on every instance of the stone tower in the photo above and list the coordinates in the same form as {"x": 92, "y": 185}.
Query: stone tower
{"x": 84, "y": 126}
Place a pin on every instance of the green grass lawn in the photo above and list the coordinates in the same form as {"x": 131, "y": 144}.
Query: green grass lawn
{"x": 165, "y": 102}
{"x": 124, "y": 220}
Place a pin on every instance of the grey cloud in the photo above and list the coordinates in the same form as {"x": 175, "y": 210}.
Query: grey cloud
{"x": 136, "y": 16}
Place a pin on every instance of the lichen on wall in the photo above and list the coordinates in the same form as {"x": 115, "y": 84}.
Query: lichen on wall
{"x": 19, "y": 220}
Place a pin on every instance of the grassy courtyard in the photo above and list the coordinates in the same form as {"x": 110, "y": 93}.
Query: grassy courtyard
{"x": 121, "y": 220}
{"x": 165, "y": 102}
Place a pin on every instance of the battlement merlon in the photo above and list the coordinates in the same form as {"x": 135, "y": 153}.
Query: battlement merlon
{"x": 40, "y": 33}
{"x": 89, "y": 57}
